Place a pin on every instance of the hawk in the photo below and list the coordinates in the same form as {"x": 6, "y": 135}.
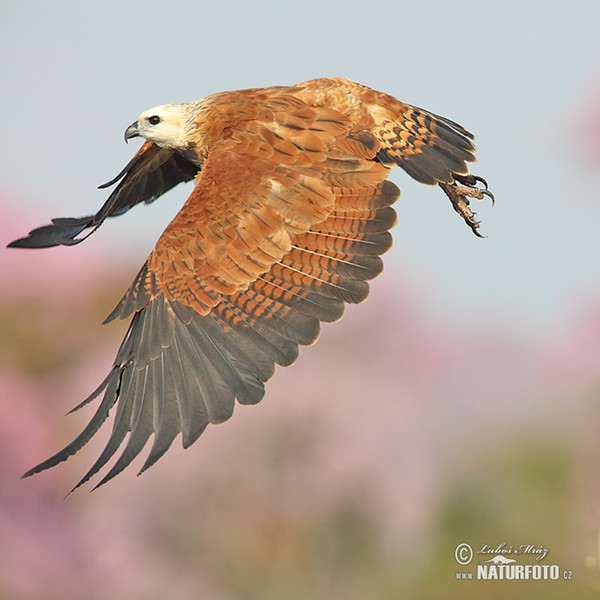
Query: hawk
{"x": 289, "y": 214}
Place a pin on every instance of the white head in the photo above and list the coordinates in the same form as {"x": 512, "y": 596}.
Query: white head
{"x": 164, "y": 125}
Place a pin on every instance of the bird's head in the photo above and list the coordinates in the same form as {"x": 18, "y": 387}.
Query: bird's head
{"x": 164, "y": 125}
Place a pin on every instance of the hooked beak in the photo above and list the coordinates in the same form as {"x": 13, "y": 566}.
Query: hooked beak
{"x": 132, "y": 131}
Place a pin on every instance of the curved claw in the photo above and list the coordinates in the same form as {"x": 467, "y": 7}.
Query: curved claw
{"x": 476, "y": 232}
{"x": 474, "y": 225}
{"x": 481, "y": 180}
{"x": 489, "y": 194}
{"x": 470, "y": 181}
{"x": 459, "y": 197}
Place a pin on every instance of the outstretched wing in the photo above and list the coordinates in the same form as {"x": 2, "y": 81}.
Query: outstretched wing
{"x": 150, "y": 173}
{"x": 286, "y": 223}
{"x": 281, "y": 229}
{"x": 178, "y": 370}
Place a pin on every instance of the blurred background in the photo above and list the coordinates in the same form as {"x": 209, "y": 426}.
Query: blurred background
{"x": 459, "y": 404}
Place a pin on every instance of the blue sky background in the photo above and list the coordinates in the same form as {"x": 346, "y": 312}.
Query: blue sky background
{"x": 520, "y": 75}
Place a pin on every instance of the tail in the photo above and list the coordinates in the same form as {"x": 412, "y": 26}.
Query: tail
{"x": 433, "y": 150}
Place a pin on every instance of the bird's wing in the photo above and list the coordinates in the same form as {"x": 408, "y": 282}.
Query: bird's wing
{"x": 150, "y": 173}
{"x": 286, "y": 223}
{"x": 281, "y": 229}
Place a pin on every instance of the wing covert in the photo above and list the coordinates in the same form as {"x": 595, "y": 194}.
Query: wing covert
{"x": 248, "y": 204}
{"x": 179, "y": 370}
{"x": 287, "y": 222}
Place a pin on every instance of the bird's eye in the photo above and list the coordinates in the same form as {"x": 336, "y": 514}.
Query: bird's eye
{"x": 154, "y": 120}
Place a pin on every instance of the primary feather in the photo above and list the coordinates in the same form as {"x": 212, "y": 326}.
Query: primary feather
{"x": 286, "y": 222}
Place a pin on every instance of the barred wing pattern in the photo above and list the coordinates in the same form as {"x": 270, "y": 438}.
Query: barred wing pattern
{"x": 287, "y": 221}
{"x": 177, "y": 371}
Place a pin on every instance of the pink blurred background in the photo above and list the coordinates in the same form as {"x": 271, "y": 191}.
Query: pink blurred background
{"x": 397, "y": 434}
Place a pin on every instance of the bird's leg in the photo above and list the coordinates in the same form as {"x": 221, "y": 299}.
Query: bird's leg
{"x": 459, "y": 196}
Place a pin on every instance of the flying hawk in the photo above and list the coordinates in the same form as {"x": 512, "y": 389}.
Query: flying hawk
{"x": 288, "y": 217}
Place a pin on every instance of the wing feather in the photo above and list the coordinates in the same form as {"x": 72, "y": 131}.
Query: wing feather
{"x": 286, "y": 223}
{"x": 121, "y": 426}
{"x": 150, "y": 173}
{"x": 180, "y": 369}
